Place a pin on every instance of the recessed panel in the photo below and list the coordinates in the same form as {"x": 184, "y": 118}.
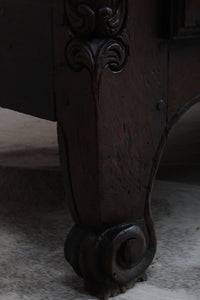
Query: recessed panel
{"x": 184, "y": 18}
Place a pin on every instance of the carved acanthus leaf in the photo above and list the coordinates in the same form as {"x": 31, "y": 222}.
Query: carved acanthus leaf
{"x": 113, "y": 55}
{"x": 111, "y": 19}
{"x": 110, "y": 54}
{"x": 87, "y": 18}
{"x": 79, "y": 55}
{"x": 81, "y": 18}
{"x": 97, "y": 29}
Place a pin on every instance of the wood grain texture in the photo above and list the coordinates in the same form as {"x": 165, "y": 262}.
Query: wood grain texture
{"x": 119, "y": 87}
{"x": 110, "y": 127}
{"x": 103, "y": 127}
{"x": 119, "y": 90}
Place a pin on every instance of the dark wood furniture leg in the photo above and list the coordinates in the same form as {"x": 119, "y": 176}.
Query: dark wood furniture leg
{"x": 109, "y": 131}
{"x": 113, "y": 106}
{"x": 116, "y": 75}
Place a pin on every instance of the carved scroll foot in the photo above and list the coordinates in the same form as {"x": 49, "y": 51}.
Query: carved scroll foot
{"x": 110, "y": 262}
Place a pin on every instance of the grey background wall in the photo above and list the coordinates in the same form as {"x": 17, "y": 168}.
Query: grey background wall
{"x": 31, "y": 142}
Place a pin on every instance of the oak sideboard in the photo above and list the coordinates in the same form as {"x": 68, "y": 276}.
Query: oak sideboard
{"x": 115, "y": 75}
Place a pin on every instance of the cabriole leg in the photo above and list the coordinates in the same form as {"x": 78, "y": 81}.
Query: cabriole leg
{"x": 110, "y": 126}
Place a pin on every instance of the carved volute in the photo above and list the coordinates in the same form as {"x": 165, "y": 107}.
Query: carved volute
{"x": 103, "y": 18}
{"x": 98, "y": 37}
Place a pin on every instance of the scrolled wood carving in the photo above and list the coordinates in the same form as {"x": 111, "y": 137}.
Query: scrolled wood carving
{"x": 79, "y": 54}
{"x": 112, "y": 261}
{"x": 98, "y": 35}
{"x": 95, "y": 17}
{"x": 112, "y": 54}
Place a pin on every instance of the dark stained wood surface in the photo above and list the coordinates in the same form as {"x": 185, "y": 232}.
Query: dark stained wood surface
{"x": 26, "y": 57}
{"x": 192, "y": 13}
{"x": 130, "y": 125}
{"x": 112, "y": 160}
{"x": 183, "y": 18}
{"x": 118, "y": 87}
{"x": 111, "y": 117}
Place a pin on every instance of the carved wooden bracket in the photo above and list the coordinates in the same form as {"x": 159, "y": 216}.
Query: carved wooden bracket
{"x": 98, "y": 37}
